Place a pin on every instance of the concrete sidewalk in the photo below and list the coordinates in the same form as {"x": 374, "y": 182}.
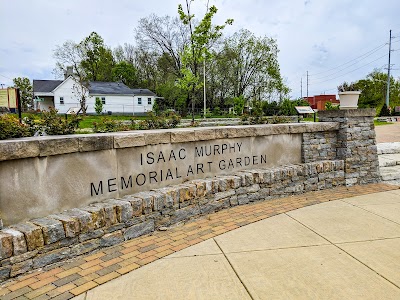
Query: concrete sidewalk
{"x": 343, "y": 249}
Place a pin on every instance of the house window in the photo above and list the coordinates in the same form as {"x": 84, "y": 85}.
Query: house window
{"x": 149, "y": 101}
{"x": 139, "y": 101}
{"x": 103, "y": 100}
{"x": 61, "y": 100}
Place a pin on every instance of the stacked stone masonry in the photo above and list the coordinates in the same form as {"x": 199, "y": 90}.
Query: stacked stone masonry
{"x": 40, "y": 242}
{"x": 356, "y": 144}
{"x": 339, "y": 150}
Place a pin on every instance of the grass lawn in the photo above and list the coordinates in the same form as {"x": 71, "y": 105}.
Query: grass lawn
{"x": 378, "y": 123}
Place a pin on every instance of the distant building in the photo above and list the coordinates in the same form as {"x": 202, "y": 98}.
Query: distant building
{"x": 318, "y": 102}
{"x": 116, "y": 96}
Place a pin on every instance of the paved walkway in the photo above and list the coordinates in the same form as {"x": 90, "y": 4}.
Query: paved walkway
{"x": 388, "y": 133}
{"x": 302, "y": 248}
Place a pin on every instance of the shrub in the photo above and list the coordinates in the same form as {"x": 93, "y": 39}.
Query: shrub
{"x": 55, "y": 124}
{"x": 160, "y": 122}
{"x": 10, "y": 127}
{"x": 110, "y": 125}
{"x": 98, "y": 105}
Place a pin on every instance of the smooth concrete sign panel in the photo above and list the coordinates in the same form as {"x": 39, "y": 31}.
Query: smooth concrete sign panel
{"x": 144, "y": 168}
{"x": 318, "y": 272}
{"x": 203, "y": 277}
{"x": 36, "y": 187}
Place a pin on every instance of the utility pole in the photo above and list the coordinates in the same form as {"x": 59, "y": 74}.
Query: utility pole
{"x": 301, "y": 87}
{"x": 307, "y": 85}
{"x": 204, "y": 77}
{"x": 388, "y": 79}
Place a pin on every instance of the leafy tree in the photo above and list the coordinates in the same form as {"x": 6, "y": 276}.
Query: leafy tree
{"x": 25, "y": 91}
{"x": 98, "y": 105}
{"x": 249, "y": 66}
{"x": 125, "y": 72}
{"x": 270, "y": 109}
{"x": 196, "y": 51}
{"x": 97, "y": 59}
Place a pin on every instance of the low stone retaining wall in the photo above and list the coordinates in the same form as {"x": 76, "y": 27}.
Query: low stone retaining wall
{"x": 43, "y": 241}
{"x": 132, "y": 183}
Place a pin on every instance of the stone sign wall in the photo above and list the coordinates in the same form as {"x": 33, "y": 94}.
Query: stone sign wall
{"x": 64, "y": 185}
{"x": 45, "y": 175}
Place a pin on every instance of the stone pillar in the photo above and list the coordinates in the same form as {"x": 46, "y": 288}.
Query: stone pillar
{"x": 356, "y": 144}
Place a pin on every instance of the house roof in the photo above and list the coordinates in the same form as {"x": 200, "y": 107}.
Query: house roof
{"x": 45, "y": 86}
{"x": 109, "y": 88}
{"x": 95, "y": 88}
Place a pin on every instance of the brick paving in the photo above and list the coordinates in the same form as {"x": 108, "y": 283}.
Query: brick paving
{"x": 72, "y": 278}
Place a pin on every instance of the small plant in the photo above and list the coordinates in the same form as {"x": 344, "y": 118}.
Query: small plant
{"x": 329, "y": 106}
{"x": 11, "y": 128}
{"x": 98, "y": 106}
{"x": 347, "y": 87}
{"x": 55, "y": 124}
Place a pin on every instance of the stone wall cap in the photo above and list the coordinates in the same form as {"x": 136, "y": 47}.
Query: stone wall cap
{"x": 347, "y": 113}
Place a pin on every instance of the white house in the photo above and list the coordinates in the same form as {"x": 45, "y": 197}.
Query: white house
{"x": 116, "y": 96}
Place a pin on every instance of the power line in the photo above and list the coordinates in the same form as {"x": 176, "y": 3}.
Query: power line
{"x": 6, "y": 77}
{"x": 352, "y": 70}
{"x": 357, "y": 58}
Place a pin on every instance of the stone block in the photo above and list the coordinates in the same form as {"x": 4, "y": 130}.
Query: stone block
{"x": 85, "y": 247}
{"x": 159, "y": 200}
{"x": 21, "y": 268}
{"x": 17, "y": 149}
{"x": 123, "y": 208}
{"x": 18, "y": 240}
{"x": 182, "y": 135}
{"x": 51, "y": 257}
{"x": 91, "y": 235}
{"x": 214, "y": 206}
{"x": 110, "y": 212}
{"x": 201, "y": 134}
{"x": 53, "y": 230}
{"x": 223, "y": 195}
{"x": 147, "y": 201}
{"x": 185, "y": 213}
{"x": 5, "y": 273}
{"x": 139, "y": 229}
{"x": 94, "y": 142}
{"x": 33, "y": 234}
{"x": 6, "y": 245}
{"x": 111, "y": 239}
{"x": 23, "y": 257}
{"x": 243, "y": 199}
{"x": 200, "y": 187}
{"x": 136, "y": 203}
{"x": 128, "y": 140}
{"x": 233, "y": 201}
{"x": 157, "y": 137}
{"x": 98, "y": 215}
{"x": 84, "y": 218}
{"x": 71, "y": 225}
{"x": 58, "y": 145}
{"x": 187, "y": 192}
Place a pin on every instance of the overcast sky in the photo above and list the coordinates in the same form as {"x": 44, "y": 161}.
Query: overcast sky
{"x": 318, "y": 36}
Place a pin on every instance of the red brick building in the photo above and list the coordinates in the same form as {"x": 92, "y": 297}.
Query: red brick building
{"x": 318, "y": 102}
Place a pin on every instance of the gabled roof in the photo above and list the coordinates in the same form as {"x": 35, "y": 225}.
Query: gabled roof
{"x": 95, "y": 88}
{"x": 109, "y": 88}
{"x": 143, "y": 92}
{"x": 45, "y": 86}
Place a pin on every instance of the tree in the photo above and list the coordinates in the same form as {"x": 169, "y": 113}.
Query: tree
{"x": 249, "y": 65}
{"x": 196, "y": 51}
{"x": 25, "y": 91}
{"x": 126, "y": 73}
{"x": 97, "y": 59}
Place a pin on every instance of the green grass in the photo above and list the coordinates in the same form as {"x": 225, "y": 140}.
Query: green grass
{"x": 379, "y": 123}
{"x": 87, "y": 121}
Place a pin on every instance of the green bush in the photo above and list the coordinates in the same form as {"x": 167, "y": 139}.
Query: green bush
{"x": 11, "y": 128}
{"x": 55, "y": 124}
{"x": 160, "y": 122}
{"x": 98, "y": 106}
{"x": 110, "y": 125}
